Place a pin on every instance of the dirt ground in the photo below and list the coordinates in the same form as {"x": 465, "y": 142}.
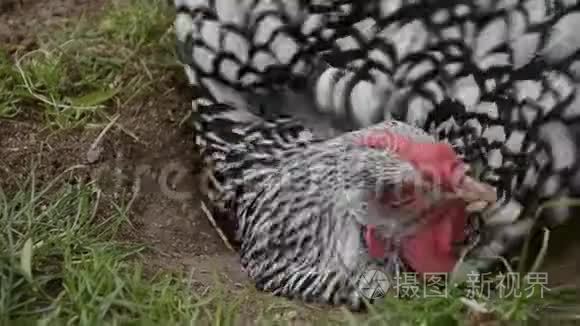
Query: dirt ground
{"x": 146, "y": 156}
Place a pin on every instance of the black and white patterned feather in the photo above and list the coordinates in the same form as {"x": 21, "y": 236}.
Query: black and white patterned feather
{"x": 299, "y": 204}
{"x": 497, "y": 79}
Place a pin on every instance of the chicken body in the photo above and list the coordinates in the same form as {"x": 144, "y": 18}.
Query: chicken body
{"x": 314, "y": 215}
{"x": 496, "y": 79}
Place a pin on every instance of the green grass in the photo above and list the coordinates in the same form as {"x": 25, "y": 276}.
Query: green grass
{"x": 61, "y": 262}
{"x": 8, "y": 87}
{"x": 79, "y": 74}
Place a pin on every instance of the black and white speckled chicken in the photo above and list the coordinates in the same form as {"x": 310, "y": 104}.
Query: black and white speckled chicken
{"x": 498, "y": 80}
{"x": 313, "y": 215}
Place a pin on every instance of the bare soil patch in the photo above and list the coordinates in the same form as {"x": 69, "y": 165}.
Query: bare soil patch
{"x": 147, "y": 158}
{"x": 21, "y": 20}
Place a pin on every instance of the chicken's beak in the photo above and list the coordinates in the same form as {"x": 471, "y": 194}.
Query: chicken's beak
{"x": 471, "y": 190}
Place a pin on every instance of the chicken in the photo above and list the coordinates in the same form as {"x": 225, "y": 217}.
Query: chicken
{"x": 498, "y": 80}
{"x": 312, "y": 215}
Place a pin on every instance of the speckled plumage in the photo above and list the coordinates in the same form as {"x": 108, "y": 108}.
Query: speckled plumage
{"x": 300, "y": 203}
{"x": 497, "y": 79}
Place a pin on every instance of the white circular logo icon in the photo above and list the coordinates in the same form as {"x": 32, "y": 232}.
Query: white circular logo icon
{"x": 373, "y": 284}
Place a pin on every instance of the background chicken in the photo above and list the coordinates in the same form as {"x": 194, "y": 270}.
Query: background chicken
{"x": 497, "y": 79}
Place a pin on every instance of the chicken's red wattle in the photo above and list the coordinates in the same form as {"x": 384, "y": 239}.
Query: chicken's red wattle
{"x": 430, "y": 249}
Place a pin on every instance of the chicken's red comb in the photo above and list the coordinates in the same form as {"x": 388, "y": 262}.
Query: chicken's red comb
{"x": 407, "y": 148}
{"x": 436, "y": 161}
